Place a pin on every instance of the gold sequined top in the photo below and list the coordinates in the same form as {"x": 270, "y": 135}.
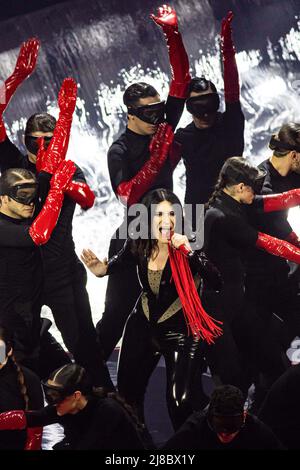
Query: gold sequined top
{"x": 154, "y": 278}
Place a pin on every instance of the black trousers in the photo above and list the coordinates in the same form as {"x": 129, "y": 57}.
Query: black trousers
{"x": 52, "y": 355}
{"x": 276, "y": 303}
{"x": 23, "y": 320}
{"x": 46, "y": 354}
{"x": 72, "y": 314}
{"x": 224, "y": 356}
{"x": 142, "y": 346}
{"x": 123, "y": 290}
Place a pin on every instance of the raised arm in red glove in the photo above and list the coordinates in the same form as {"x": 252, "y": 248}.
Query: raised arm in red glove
{"x": 281, "y": 201}
{"x": 130, "y": 192}
{"x": 48, "y": 160}
{"x": 167, "y": 20}
{"x": 79, "y": 191}
{"x": 231, "y": 75}
{"x": 278, "y": 247}
{"x": 25, "y": 65}
{"x": 56, "y": 152}
{"x": 41, "y": 229}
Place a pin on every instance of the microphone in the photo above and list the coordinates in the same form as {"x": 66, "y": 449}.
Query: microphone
{"x": 185, "y": 250}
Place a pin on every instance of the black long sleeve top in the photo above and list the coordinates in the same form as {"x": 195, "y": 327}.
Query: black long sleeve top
{"x": 21, "y": 274}
{"x": 227, "y": 237}
{"x": 59, "y": 253}
{"x": 129, "y": 153}
{"x": 205, "y": 150}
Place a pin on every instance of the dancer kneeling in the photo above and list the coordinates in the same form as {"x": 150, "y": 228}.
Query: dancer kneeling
{"x": 91, "y": 420}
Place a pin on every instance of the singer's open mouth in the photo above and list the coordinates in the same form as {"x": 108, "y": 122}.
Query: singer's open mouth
{"x": 166, "y": 231}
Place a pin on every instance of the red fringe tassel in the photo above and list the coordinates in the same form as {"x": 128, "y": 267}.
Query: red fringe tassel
{"x": 199, "y": 323}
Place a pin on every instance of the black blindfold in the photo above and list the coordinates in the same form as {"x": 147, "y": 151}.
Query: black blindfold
{"x": 203, "y": 104}
{"x": 150, "y": 113}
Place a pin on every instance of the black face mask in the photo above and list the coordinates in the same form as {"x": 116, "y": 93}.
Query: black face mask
{"x": 150, "y": 113}
{"x": 32, "y": 145}
{"x": 235, "y": 176}
{"x": 24, "y": 193}
{"x": 278, "y": 145}
{"x": 55, "y": 394}
{"x": 201, "y": 105}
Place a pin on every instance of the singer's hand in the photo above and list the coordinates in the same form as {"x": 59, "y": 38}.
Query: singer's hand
{"x": 177, "y": 240}
{"x": 97, "y": 267}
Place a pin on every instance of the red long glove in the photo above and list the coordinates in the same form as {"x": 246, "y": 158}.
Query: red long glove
{"x": 48, "y": 160}
{"x": 231, "y": 75}
{"x": 79, "y": 191}
{"x": 25, "y": 65}
{"x": 278, "y": 247}
{"x": 179, "y": 61}
{"x": 293, "y": 239}
{"x": 41, "y": 229}
{"x": 34, "y": 438}
{"x": 130, "y": 192}
{"x": 282, "y": 201}
{"x": 13, "y": 420}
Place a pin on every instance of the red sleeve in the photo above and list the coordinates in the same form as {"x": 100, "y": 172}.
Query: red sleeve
{"x": 130, "y": 192}
{"x": 282, "y": 201}
{"x": 277, "y": 247}
{"x": 81, "y": 193}
{"x": 231, "y": 75}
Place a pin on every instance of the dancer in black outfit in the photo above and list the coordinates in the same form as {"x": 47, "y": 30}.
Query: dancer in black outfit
{"x": 212, "y": 137}
{"x": 21, "y": 277}
{"x": 157, "y": 325}
{"x": 65, "y": 277}
{"x": 20, "y": 389}
{"x": 273, "y": 292}
{"x": 228, "y": 238}
{"x": 136, "y": 165}
{"x": 91, "y": 421}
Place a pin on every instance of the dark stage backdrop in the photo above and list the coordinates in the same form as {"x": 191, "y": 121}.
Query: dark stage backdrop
{"x": 107, "y": 45}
